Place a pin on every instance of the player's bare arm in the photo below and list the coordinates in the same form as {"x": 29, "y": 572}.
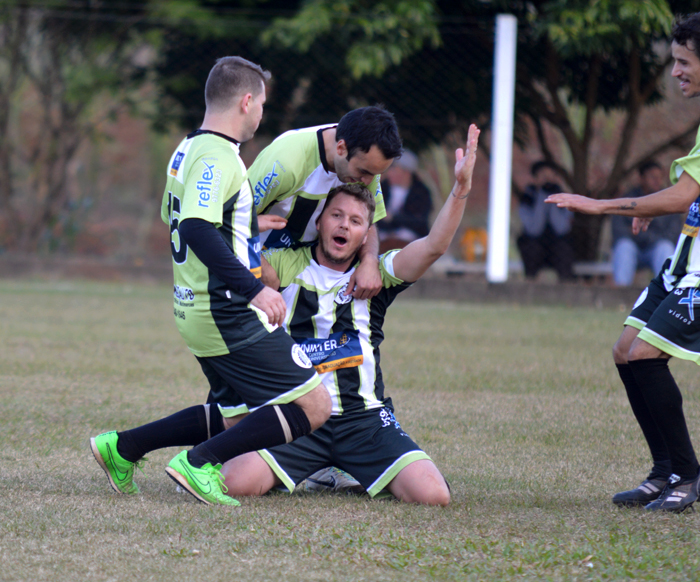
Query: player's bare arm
{"x": 366, "y": 280}
{"x": 673, "y": 200}
{"x": 413, "y": 260}
{"x": 269, "y": 275}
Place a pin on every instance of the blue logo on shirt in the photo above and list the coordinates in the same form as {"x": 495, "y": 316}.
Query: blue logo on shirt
{"x": 265, "y": 185}
{"x": 691, "y": 301}
{"x": 204, "y": 185}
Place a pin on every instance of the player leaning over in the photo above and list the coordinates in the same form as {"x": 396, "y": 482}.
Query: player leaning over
{"x": 663, "y": 322}
{"x": 293, "y": 175}
{"x": 342, "y": 334}
{"x": 224, "y": 313}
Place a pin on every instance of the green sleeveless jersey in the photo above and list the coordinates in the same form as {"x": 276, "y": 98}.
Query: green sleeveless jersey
{"x": 340, "y": 334}
{"x": 290, "y": 178}
{"x": 207, "y": 179}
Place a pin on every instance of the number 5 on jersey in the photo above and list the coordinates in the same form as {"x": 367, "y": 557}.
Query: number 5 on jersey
{"x": 178, "y": 247}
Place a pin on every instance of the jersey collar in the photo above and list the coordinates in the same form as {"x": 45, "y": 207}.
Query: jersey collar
{"x": 322, "y": 148}
{"x": 203, "y": 131}
{"x": 314, "y": 248}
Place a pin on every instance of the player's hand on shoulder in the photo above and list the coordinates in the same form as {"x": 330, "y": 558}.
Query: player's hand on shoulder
{"x": 271, "y": 303}
{"x": 366, "y": 281}
{"x": 270, "y": 222}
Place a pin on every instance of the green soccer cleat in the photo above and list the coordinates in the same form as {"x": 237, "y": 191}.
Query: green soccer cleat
{"x": 120, "y": 472}
{"x": 205, "y": 484}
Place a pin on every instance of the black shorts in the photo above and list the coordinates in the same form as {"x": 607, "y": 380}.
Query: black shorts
{"x": 669, "y": 321}
{"x": 370, "y": 445}
{"x": 274, "y": 370}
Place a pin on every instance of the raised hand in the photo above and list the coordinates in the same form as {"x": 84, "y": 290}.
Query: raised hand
{"x": 464, "y": 166}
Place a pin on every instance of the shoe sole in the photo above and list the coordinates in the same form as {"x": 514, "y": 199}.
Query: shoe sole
{"x": 181, "y": 480}
{"x": 101, "y": 463}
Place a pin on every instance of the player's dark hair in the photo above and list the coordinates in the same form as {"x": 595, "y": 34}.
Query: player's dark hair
{"x": 356, "y": 190}
{"x": 646, "y": 166}
{"x": 367, "y": 126}
{"x": 232, "y": 77}
{"x": 687, "y": 29}
{"x": 541, "y": 165}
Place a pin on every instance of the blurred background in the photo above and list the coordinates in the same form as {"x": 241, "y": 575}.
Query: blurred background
{"x": 94, "y": 96}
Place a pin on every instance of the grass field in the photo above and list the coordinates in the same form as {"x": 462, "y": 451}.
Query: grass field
{"x": 520, "y": 407}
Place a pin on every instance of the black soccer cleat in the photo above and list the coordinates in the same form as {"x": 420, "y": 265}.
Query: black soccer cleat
{"x": 677, "y": 496}
{"x": 647, "y": 492}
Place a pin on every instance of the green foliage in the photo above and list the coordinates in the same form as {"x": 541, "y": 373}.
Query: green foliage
{"x": 376, "y": 35}
{"x": 587, "y": 27}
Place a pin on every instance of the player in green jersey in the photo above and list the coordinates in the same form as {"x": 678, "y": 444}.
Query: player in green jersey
{"x": 227, "y": 317}
{"x": 341, "y": 334}
{"x": 662, "y": 323}
{"x": 293, "y": 175}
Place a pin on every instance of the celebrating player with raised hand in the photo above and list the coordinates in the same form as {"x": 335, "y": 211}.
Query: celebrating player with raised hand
{"x": 663, "y": 323}
{"x": 342, "y": 334}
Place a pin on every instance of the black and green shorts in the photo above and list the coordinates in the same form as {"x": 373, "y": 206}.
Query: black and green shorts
{"x": 370, "y": 445}
{"x": 274, "y": 370}
{"x": 669, "y": 321}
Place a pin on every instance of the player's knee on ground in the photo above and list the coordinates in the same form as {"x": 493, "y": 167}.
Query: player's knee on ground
{"x": 316, "y": 405}
{"x": 421, "y": 482}
{"x": 248, "y": 476}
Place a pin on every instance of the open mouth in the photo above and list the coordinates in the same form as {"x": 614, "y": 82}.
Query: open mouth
{"x": 340, "y": 240}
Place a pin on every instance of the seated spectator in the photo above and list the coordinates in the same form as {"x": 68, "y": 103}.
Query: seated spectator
{"x": 408, "y": 204}
{"x": 546, "y": 237}
{"x": 650, "y": 248}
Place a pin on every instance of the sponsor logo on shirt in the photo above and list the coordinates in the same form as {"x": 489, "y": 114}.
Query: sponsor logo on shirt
{"x": 179, "y": 156}
{"x": 265, "y": 185}
{"x": 279, "y": 239}
{"x": 300, "y": 358}
{"x": 692, "y": 223}
{"x": 183, "y": 295}
{"x": 378, "y": 192}
{"x": 341, "y": 298}
{"x": 338, "y": 350}
{"x": 254, "y": 256}
{"x": 208, "y": 185}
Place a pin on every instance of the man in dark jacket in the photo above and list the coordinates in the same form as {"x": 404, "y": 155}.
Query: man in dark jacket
{"x": 408, "y": 204}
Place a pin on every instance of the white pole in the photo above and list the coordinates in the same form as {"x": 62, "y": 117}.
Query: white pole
{"x": 501, "y": 148}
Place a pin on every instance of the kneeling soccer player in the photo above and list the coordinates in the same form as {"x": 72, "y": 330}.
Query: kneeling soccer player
{"x": 341, "y": 335}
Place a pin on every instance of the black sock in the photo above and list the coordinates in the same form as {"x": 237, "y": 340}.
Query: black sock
{"x": 188, "y": 427}
{"x": 665, "y": 403}
{"x": 657, "y": 446}
{"x": 266, "y": 427}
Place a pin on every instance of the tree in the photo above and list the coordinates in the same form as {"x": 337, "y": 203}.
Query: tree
{"x": 430, "y": 62}
{"x": 65, "y": 66}
{"x": 576, "y": 59}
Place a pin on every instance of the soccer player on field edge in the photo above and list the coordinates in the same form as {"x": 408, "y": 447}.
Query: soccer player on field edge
{"x": 663, "y": 322}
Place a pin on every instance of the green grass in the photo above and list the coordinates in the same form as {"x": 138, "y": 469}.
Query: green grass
{"x": 520, "y": 407}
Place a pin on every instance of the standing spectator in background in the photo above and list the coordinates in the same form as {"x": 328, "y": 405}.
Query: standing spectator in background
{"x": 408, "y": 204}
{"x": 649, "y": 248}
{"x": 546, "y": 237}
